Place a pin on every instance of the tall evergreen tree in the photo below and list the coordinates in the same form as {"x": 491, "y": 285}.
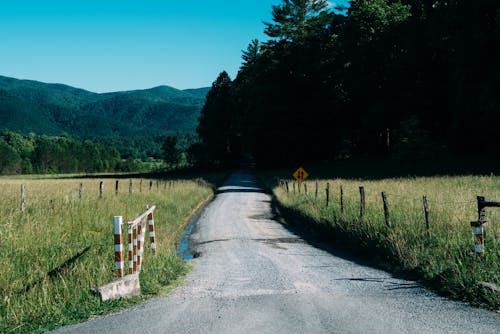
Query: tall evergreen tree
{"x": 290, "y": 19}
{"x": 216, "y": 127}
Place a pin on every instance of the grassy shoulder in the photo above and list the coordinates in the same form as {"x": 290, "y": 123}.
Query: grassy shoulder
{"x": 441, "y": 258}
{"x": 61, "y": 246}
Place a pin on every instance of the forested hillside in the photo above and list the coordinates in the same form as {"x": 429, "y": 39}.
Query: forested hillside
{"x": 408, "y": 79}
{"x": 135, "y": 122}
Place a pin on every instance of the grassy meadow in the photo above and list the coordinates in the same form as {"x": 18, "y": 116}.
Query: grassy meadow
{"x": 445, "y": 260}
{"x": 61, "y": 246}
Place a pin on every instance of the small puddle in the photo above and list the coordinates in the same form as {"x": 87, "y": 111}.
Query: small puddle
{"x": 183, "y": 248}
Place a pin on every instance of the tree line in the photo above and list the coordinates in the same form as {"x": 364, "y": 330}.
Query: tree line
{"x": 405, "y": 79}
{"x": 56, "y": 154}
{"x": 42, "y": 154}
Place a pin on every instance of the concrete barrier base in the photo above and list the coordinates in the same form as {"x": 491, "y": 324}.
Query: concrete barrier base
{"x": 126, "y": 286}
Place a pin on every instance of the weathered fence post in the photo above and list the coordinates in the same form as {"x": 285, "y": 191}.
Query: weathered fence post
{"x": 361, "y": 201}
{"x": 386, "y": 209}
{"x": 80, "y": 191}
{"x": 116, "y": 187}
{"x": 305, "y": 188}
{"x": 119, "y": 261}
{"x": 157, "y": 185}
{"x": 479, "y": 227}
{"x": 23, "y": 197}
{"x": 327, "y": 193}
{"x": 294, "y": 187}
{"x": 140, "y": 186}
{"x": 341, "y": 199}
{"x": 130, "y": 186}
{"x": 150, "y": 184}
{"x": 101, "y": 189}
{"x": 287, "y": 188}
{"x": 427, "y": 216}
{"x": 316, "y": 191}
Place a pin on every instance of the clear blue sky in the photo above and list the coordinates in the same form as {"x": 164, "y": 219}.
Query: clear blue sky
{"x": 112, "y": 45}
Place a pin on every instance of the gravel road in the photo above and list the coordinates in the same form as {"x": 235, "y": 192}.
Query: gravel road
{"x": 255, "y": 276}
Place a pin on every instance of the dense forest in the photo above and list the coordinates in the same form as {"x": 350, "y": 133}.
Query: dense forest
{"x": 406, "y": 79}
{"x": 56, "y": 154}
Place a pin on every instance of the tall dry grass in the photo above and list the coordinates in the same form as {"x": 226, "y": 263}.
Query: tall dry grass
{"x": 39, "y": 288}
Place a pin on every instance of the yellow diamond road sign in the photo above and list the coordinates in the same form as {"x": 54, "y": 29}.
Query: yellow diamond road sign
{"x": 300, "y": 175}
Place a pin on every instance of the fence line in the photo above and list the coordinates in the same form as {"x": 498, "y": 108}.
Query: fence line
{"x": 479, "y": 227}
{"x": 25, "y": 192}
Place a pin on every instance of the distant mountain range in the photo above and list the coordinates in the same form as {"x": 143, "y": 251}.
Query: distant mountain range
{"x": 31, "y": 106}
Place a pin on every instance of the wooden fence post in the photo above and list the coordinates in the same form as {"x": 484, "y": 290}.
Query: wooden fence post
{"x": 130, "y": 186}
{"x": 140, "y": 186}
{"x": 157, "y": 185}
{"x": 23, "y": 197}
{"x": 341, "y": 199}
{"x": 119, "y": 261}
{"x": 327, "y": 193}
{"x": 316, "y": 191}
{"x": 305, "y": 188}
{"x": 80, "y": 191}
{"x": 386, "y": 209}
{"x": 480, "y": 225}
{"x": 361, "y": 201}
{"x": 427, "y": 216}
{"x": 116, "y": 187}
{"x": 481, "y": 209}
{"x": 287, "y": 188}
{"x": 479, "y": 228}
{"x": 101, "y": 189}
{"x": 294, "y": 187}
{"x": 150, "y": 184}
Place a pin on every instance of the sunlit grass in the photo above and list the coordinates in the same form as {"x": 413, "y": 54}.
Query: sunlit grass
{"x": 443, "y": 256}
{"x": 57, "y": 225}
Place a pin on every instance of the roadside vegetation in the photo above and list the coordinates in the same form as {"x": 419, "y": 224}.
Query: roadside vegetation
{"x": 61, "y": 246}
{"x": 442, "y": 258}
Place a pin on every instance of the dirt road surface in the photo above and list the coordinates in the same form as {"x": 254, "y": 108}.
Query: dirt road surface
{"x": 255, "y": 276}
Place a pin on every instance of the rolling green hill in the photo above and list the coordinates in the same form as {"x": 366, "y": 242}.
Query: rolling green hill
{"x": 123, "y": 118}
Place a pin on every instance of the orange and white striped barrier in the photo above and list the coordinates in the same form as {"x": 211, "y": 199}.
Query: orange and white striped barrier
{"x": 130, "y": 250}
{"x": 136, "y": 240}
{"x": 134, "y": 248}
{"x": 139, "y": 244}
{"x": 151, "y": 223}
{"x": 119, "y": 262}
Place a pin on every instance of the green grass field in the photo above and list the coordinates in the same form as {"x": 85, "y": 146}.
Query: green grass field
{"x": 39, "y": 288}
{"x": 445, "y": 261}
